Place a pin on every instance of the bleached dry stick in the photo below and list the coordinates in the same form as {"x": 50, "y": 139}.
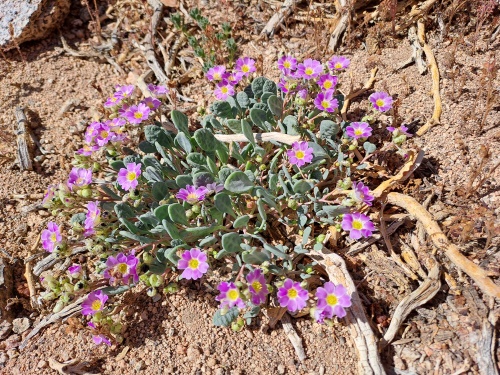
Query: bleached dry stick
{"x": 20, "y": 130}
{"x": 436, "y": 115}
{"x": 259, "y": 137}
{"x": 148, "y": 49}
{"x": 279, "y": 17}
{"x": 416, "y": 56}
{"x": 293, "y": 337}
{"x": 368, "y": 85}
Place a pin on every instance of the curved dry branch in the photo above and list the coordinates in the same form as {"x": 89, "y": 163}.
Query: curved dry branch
{"x": 475, "y": 272}
{"x": 353, "y": 94}
{"x": 279, "y": 17}
{"x": 148, "y": 49}
{"x": 259, "y": 137}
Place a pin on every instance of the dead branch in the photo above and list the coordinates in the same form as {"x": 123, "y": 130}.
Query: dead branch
{"x": 73, "y": 366}
{"x": 52, "y": 259}
{"x": 416, "y": 56}
{"x": 173, "y": 53}
{"x": 279, "y": 17}
{"x": 429, "y": 55}
{"x": 475, "y": 272}
{"x": 20, "y": 130}
{"x": 147, "y": 48}
{"x": 353, "y": 94}
{"x": 342, "y": 17}
{"x": 486, "y": 346}
{"x": 365, "y": 340}
{"x": 424, "y": 293}
{"x": 293, "y": 337}
{"x": 259, "y": 137}
{"x": 28, "y": 274}
{"x": 416, "y": 13}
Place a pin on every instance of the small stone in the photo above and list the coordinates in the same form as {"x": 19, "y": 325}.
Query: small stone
{"x": 42, "y": 364}
{"x": 3, "y": 358}
{"x": 211, "y": 362}
{"x": 281, "y": 369}
{"x": 12, "y": 341}
{"x": 219, "y": 371}
{"x": 138, "y": 366}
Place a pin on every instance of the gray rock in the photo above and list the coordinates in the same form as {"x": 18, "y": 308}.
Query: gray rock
{"x": 20, "y": 325}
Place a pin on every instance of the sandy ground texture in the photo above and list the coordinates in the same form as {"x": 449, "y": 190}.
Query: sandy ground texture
{"x": 175, "y": 335}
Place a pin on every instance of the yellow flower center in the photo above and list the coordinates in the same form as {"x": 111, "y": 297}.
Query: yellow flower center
{"x": 194, "y": 263}
{"x": 358, "y": 131}
{"x": 96, "y": 305}
{"x": 356, "y": 224}
{"x": 224, "y": 89}
{"x": 300, "y": 154}
{"x": 256, "y": 286}
{"x": 287, "y": 64}
{"x": 292, "y": 293}
{"x": 114, "y": 99}
{"x": 327, "y": 84}
{"x": 380, "y": 102}
{"x": 131, "y": 176}
{"x": 338, "y": 66}
{"x": 53, "y": 237}
{"x": 79, "y": 181}
{"x": 233, "y": 294}
{"x": 192, "y": 197}
{"x": 332, "y": 300}
{"x": 309, "y": 71}
{"x": 325, "y": 104}
{"x": 137, "y": 114}
{"x": 217, "y": 76}
{"x": 122, "y": 268}
{"x": 245, "y": 68}
{"x": 104, "y": 134}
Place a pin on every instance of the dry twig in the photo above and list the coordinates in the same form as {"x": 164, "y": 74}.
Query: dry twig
{"x": 293, "y": 337}
{"x": 279, "y": 17}
{"x": 416, "y": 56}
{"x": 353, "y": 94}
{"x": 148, "y": 49}
{"x": 21, "y": 131}
{"x": 342, "y": 19}
{"x": 71, "y": 367}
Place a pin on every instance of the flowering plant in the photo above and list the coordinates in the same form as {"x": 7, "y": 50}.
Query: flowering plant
{"x": 273, "y": 171}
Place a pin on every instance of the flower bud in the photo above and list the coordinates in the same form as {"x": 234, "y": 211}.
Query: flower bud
{"x": 171, "y": 288}
{"x": 239, "y": 284}
{"x": 320, "y": 238}
{"x": 147, "y": 258}
{"x": 65, "y": 297}
{"x": 262, "y": 167}
{"x": 258, "y": 159}
{"x": 196, "y": 208}
{"x": 303, "y": 284}
{"x": 86, "y": 192}
{"x": 238, "y": 324}
{"x": 116, "y": 328}
{"x": 399, "y": 139}
{"x": 293, "y": 204}
{"x": 151, "y": 292}
{"x": 155, "y": 280}
{"x": 144, "y": 278}
{"x": 58, "y": 307}
{"x": 353, "y": 147}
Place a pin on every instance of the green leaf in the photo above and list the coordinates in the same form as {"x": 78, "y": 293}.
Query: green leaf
{"x": 234, "y": 125}
{"x": 225, "y": 320}
{"x": 231, "y": 242}
{"x": 154, "y": 133}
{"x": 275, "y": 105}
{"x": 124, "y": 211}
{"x": 305, "y": 235}
{"x": 147, "y": 147}
{"x": 275, "y": 251}
{"x": 254, "y": 257}
{"x": 252, "y": 313}
{"x": 223, "y": 203}
{"x": 183, "y": 180}
{"x": 152, "y": 175}
{"x": 222, "y": 153}
{"x": 183, "y": 141}
{"x": 262, "y": 209}
{"x": 110, "y": 192}
{"x": 180, "y": 121}
{"x": 292, "y": 124}
{"x": 160, "y": 190}
{"x": 149, "y": 220}
{"x": 115, "y": 290}
{"x": 161, "y": 212}
{"x": 301, "y": 187}
{"x": 117, "y": 165}
{"x": 241, "y": 221}
{"x": 195, "y": 159}
{"x": 203, "y": 179}
{"x": 208, "y": 241}
{"x": 328, "y": 129}
{"x": 177, "y": 214}
{"x": 212, "y": 166}
{"x": 247, "y": 131}
{"x": 238, "y": 182}
{"x": 171, "y": 229}
{"x": 258, "y": 117}
{"x": 141, "y": 239}
{"x": 194, "y": 234}
{"x": 261, "y": 85}
{"x": 205, "y": 139}
{"x": 243, "y": 99}
{"x": 221, "y": 109}
{"x": 369, "y": 147}
{"x": 318, "y": 151}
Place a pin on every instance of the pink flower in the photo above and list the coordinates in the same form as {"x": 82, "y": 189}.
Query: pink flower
{"x": 233, "y": 78}
{"x": 191, "y": 194}
{"x": 361, "y": 193}
{"x": 87, "y": 150}
{"x": 158, "y": 91}
{"x": 75, "y": 269}
{"x": 398, "y": 131}
{"x": 94, "y": 303}
{"x": 122, "y": 267}
{"x": 327, "y": 82}
{"x": 127, "y": 177}
{"x": 103, "y": 135}
{"x": 358, "y": 225}
{"x": 194, "y": 263}
{"x": 300, "y": 154}
{"x": 338, "y": 63}
{"x": 309, "y": 69}
{"x": 91, "y": 132}
{"x": 284, "y": 85}
{"x": 113, "y": 101}
{"x": 302, "y": 94}
{"x": 292, "y": 296}
{"x": 49, "y": 194}
{"x": 135, "y": 114}
{"x": 223, "y": 90}
{"x": 257, "y": 286}
{"x": 287, "y": 64}
{"x": 92, "y": 218}
{"x": 381, "y": 101}
{"x": 79, "y": 177}
{"x": 245, "y": 65}
{"x": 332, "y": 300}
{"x": 358, "y": 130}
{"x": 99, "y": 339}
{"x": 216, "y": 73}
{"x": 124, "y": 91}
{"x": 51, "y": 237}
{"x": 152, "y": 103}
{"x": 326, "y": 102}
{"x": 229, "y": 296}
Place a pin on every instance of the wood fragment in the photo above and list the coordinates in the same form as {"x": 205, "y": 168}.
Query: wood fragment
{"x": 21, "y": 131}
{"x": 28, "y": 274}
{"x": 259, "y": 137}
{"x": 71, "y": 367}
{"x": 52, "y": 259}
{"x": 475, "y": 272}
{"x": 363, "y": 244}
{"x": 416, "y": 13}
{"x": 485, "y": 356}
{"x": 363, "y": 336}
{"x": 353, "y": 94}
{"x": 147, "y": 48}
{"x": 6, "y": 291}
{"x": 423, "y": 294}
{"x": 416, "y": 56}
{"x": 431, "y": 60}
{"x": 293, "y": 337}
{"x": 173, "y": 53}
{"x": 279, "y": 17}
{"x": 342, "y": 19}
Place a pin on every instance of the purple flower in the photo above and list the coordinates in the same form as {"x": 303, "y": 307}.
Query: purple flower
{"x": 123, "y": 110}
{"x": 214, "y": 187}
{"x": 124, "y": 91}
{"x": 192, "y": 194}
{"x": 309, "y": 69}
{"x": 292, "y": 296}
{"x": 229, "y": 296}
{"x": 51, "y": 237}
{"x": 49, "y": 194}
{"x": 116, "y": 123}
{"x": 287, "y": 64}
{"x": 194, "y": 263}
{"x": 79, "y": 177}
{"x": 381, "y": 101}
{"x": 284, "y": 85}
{"x": 216, "y": 73}
{"x": 358, "y": 225}
{"x": 113, "y": 101}
{"x": 332, "y": 300}
{"x": 75, "y": 269}
{"x": 122, "y": 267}
{"x": 302, "y": 94}
{"x": 99, "y": 339}
{"x": 358, "y": 130}
{"x": 300, "y": 154}
{"x": 327, "y": 82}
{"x": 94, "y": 303}
{"x": 87, "y": 150}
{"x": 361, "y": 193}
{"x": 158, "y": 91}
{"x": 127, "y": 177}
{"x": 257, "y": 286}
{"x": 233, "y": 78}
{"x": 326, "y": 102}
{"x": 223, "y": 90}
{"x": 338, "y": 63}
{"x": 152, "y": 103}
{"x": 91, "y": 132}
{"x": 246, "y": 65}
{"x": 398, "y": 131}
{"x": 136, "y": 114}
{"x": 92, "y": 218}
